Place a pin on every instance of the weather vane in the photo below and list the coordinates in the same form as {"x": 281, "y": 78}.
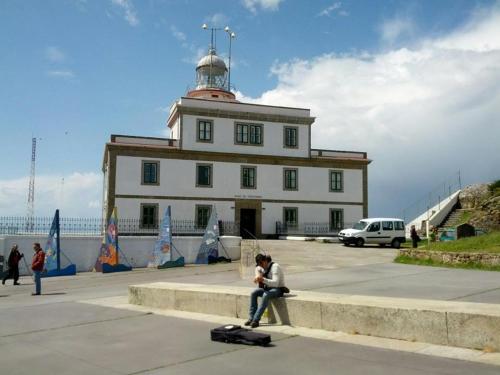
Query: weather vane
{"x": 213, "y": 45}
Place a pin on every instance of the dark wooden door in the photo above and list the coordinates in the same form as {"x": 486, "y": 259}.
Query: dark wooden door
{"x": 247, "y": 222}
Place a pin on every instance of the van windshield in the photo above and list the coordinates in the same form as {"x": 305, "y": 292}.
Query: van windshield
{"x": 360, "y": 225}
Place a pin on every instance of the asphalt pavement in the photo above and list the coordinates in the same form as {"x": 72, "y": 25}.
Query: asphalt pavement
{"x": 58, "y": 334}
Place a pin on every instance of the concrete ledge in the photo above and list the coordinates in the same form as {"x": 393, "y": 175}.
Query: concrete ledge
{"x": 460, "y": 324}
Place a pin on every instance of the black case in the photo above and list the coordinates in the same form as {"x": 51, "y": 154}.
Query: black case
{"x": 234, "y": 334}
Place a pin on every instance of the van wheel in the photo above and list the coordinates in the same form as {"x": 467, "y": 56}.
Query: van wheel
{"x": 360, "y": 242}
{"x": 396, "y": 244}
{"x": 381, "y": 244}
{"x": 346, "y": 244}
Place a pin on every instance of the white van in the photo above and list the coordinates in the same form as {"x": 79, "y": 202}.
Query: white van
{"x": 382, "y": 231}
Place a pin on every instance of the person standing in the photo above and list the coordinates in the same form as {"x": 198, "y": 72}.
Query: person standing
{"x": 414, "y": 236}
{"x": 14, "y": 258}
{"x": 37, "y": 268}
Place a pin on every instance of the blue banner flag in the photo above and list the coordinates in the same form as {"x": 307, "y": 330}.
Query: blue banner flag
{"x": 209, "y": 249}
{"x": 50, "y": 250}
{"x": 162, "y": 252}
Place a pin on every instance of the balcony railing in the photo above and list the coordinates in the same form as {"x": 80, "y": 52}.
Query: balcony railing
{"x": 310, "y": 228}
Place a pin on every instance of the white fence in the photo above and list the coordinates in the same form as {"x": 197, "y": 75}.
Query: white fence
{"x": 83, "y": 251}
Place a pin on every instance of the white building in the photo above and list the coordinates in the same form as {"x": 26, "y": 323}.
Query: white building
{"x": 254, "y": 163}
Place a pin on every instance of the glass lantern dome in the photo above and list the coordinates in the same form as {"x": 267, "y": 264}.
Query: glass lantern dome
{"x": 211, "y": 72}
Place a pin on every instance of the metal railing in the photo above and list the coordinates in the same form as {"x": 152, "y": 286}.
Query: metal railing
{"x": 15, "y": 225}
{"x": 310, "y": 228}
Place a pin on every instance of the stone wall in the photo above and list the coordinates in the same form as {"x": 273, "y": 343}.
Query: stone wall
{"x": 486, "y": 259}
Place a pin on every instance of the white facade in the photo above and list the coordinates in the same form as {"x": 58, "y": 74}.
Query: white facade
{"x": 280, "y": 142}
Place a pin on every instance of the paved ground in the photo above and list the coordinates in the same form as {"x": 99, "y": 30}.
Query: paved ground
{"x": 57, "y": 334}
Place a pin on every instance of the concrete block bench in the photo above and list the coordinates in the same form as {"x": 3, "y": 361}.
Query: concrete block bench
{"x": 460, "y": 324}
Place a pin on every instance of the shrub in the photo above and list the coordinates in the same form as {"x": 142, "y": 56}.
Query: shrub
{"x": 494, "y": 186}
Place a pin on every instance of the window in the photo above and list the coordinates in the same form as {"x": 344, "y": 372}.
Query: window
{"x": 336, "y": 181}
{"x": 202, "y": 215}
{"x": 249, "y": 134}
{"x": 386, "y": 225}
{"x": 205, "y": 131}
{"x": 204, "y": 175}
{"x": 248, "y": 177}
{"x": 374, "y": 227}
{"x": 336, "y": 219}
{"x": 290, "y": 179}
{"x": 399, "y": 225}
{"x": 149, "y": 215}
{"x": 291, "y": 139}
{"x": 150, "y": 172}
{"x": 290, "y": 216}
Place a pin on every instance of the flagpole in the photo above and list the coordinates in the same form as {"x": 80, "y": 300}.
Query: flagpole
{"x": 58, "y": 232}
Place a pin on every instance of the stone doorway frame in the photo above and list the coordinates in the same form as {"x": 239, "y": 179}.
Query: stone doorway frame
{"x": 255, "y": 204}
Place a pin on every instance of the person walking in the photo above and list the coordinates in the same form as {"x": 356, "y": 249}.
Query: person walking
{"x": 37, "y": 268}
{"x": 414, "y": 237}
{"x": 13, "y": 262}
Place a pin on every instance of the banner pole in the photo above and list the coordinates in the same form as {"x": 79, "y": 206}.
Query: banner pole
{"x": 58, "y": 242}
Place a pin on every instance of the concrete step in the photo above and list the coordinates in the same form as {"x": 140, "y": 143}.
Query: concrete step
{"x": 460, "y": 324}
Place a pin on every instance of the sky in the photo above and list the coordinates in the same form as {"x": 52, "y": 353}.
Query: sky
{"x": 415, "y": 84}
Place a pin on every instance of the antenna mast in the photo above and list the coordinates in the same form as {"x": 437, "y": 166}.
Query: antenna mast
{"x": 31, "y": 189}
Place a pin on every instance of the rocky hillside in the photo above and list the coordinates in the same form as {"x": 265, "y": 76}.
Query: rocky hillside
{"x": 483, "y": 201}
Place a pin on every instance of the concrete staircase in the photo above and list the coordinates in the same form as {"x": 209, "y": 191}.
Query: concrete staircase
{"x": 454, "y": 218}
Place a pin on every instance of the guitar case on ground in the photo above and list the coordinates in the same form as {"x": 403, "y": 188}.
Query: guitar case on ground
{"x": 234, "y": 334}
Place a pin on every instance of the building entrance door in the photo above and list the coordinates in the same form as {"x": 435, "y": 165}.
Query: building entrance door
{"x": 247, "y": 222}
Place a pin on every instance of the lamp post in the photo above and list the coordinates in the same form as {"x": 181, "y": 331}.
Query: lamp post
{"x": 231, "y": 35}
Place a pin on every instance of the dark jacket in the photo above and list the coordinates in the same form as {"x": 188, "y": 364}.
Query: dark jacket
{"x": 413, "y": 234}
{"x": 38, "y": 260}
{"x": 14, "y": 258}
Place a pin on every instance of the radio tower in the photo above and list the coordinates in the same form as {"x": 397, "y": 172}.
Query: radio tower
{"x": 31, "y": 190}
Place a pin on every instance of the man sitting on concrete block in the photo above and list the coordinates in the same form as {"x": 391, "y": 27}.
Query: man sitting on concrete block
{"x": 271, "y": 285}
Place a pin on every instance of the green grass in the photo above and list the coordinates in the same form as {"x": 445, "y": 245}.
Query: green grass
{"x": 487, "y": 243}
{"x": 429, "y": 262}
{"x": 466, "y": 215}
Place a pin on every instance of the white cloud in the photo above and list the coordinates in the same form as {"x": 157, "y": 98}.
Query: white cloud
{"x": 79, "y": 194}
{"x": 267, "y": 5}
{"x": 217, "y": 20}
{"x": 55, "y": 54}
{"x": 65, "y": 74}
{"x": 196, "y": 54}
{"x": 179, "y": 35}
{"x": 130, "y": 13}
{"x": 334, "y": 8}
{"x": 421, "y": 113}
{"x": 394, "y": 29}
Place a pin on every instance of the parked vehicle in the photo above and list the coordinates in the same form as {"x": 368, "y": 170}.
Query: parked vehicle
{"x": 382, "y": 231}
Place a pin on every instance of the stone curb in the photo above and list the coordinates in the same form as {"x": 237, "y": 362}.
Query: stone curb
{"x": 459, "y": 324}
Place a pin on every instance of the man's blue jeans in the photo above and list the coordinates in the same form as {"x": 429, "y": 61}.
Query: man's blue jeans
{"x": 38, "y": 283}
{"x": 256, "y": 311}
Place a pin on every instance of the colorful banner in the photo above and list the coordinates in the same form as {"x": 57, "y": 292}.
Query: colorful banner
{"x": 209, "y": 249}
{"x": 50, "y": 249}
{"x": 162, "y": 252}
{"x": 108, "y": 254}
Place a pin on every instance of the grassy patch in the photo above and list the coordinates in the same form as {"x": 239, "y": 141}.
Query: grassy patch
{"x": 487, "y": 243}
{"x": 429, "y": 262}
{"x": 466, "y": 215}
